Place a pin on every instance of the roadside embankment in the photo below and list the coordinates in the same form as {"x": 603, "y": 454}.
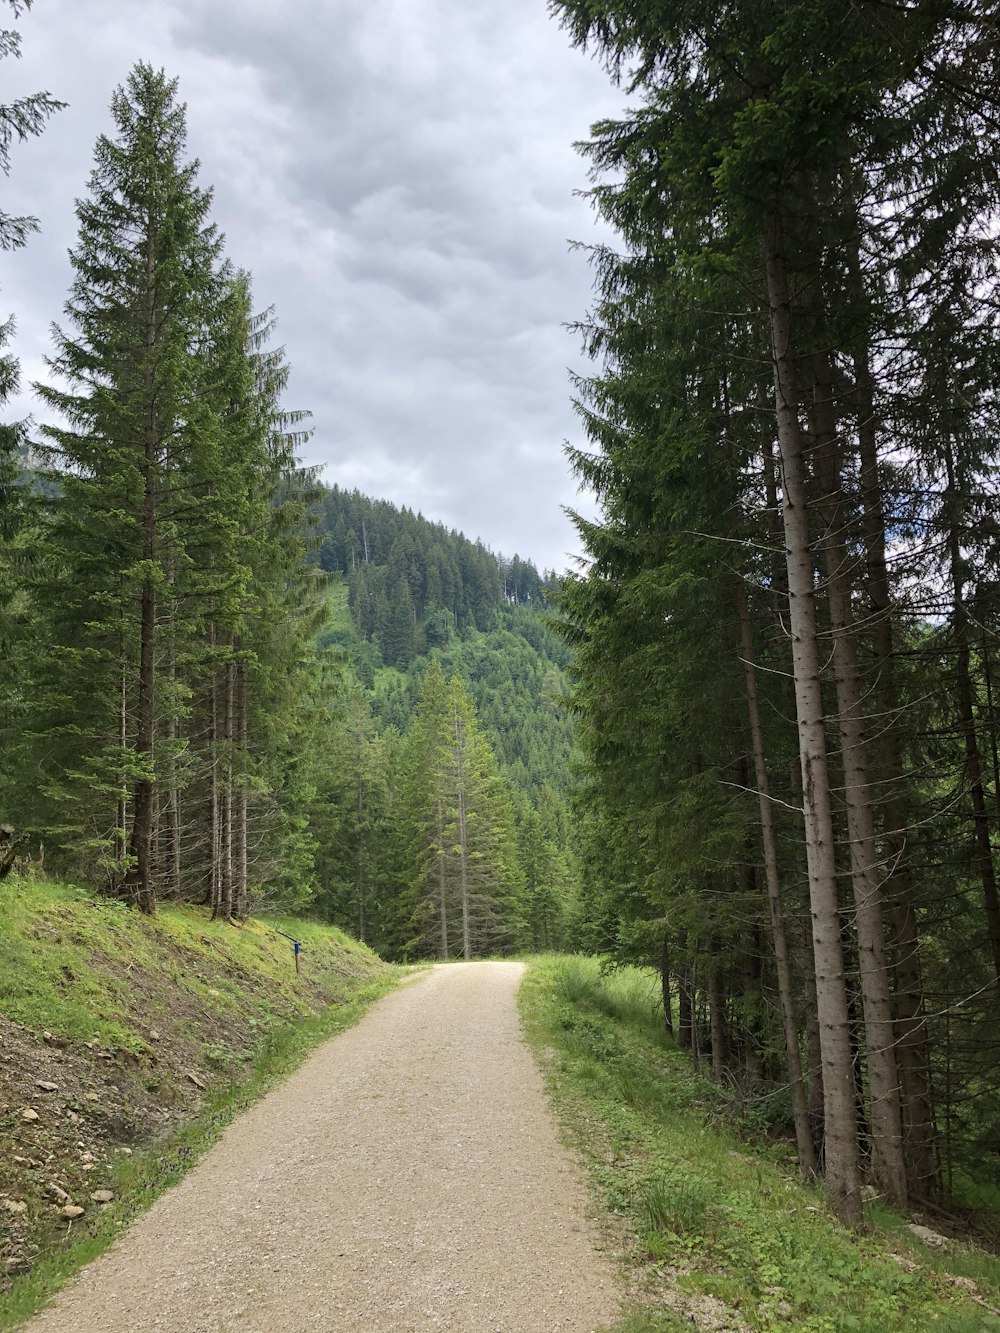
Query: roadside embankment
{"x": 127, "y": 1044}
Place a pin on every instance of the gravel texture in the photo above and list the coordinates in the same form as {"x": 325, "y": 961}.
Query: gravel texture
{"x": 408, "y": 1177}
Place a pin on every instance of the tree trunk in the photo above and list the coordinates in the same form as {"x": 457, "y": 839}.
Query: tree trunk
{"x": 359, "y": 860}
{"x": 442, "y": 884}
{"x": 814, "y": 1056}
{"x": 226, "y": 812}
{"x": 171, "y": 802}
{"x": 717, "y": 1015}
{"x": 214, "y": 876}
{"x": 464, "y": 865}
{"x": 668, "y": 1013}
{"x": 842, "y": 1177}
{"x": 685, "y": 1023}
{"x": 141, "y": 875}
{"x": 967, "y": 720}
{"x": 241, "y": 888}
{"x": 912, "y": 1045}
{"x": 121, "y": 805}
{"x": 786, "y": 991}
{"x": 888, "y": 1167}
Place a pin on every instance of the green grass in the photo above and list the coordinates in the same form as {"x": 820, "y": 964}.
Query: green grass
{"x": 708, "y": 1215}
{"x": 69, "y": 961}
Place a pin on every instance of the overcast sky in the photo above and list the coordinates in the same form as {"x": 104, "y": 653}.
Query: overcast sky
{"x": 398, "y": 175}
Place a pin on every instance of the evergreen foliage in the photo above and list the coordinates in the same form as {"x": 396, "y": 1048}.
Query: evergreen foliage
{"x": 229, "y": 696}
{"x": 173, "y": 667}
{"x": 785, "y": 635}
{"x": 415, "y": 584}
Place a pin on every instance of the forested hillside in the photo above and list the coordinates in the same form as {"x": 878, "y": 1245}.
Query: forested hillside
{"x": 414, "y": 583}
{"x": 787, "y": 639}
{"x": 507, "y": 670}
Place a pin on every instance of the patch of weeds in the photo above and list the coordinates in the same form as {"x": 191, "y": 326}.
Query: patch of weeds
{"x": 677, "y": 1204}
{"x": 650, "y": 1321}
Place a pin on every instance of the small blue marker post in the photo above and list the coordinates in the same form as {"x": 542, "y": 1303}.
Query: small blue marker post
{"x": 298, "y": 949}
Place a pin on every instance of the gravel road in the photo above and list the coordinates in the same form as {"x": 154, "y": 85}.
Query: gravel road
{"x": 408, "y": 1177}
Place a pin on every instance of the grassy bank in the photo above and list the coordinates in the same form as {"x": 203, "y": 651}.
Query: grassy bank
{"x": 717, "y": 1231}
{"x": 133, "y": 1042}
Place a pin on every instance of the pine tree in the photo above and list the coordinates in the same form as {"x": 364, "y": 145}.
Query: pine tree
{"x": 464, "y": 886}
{"x": 145, "y": 267}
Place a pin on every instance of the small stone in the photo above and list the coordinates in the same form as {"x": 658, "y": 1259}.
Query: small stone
{"x": 46, "y": 1086}
{"x": 58, "y": 1193}
{"x": 103, "y": 1196}
{"x": 15, "y": 1206}
{"x": 71, "y": 1212}
{"x": 87, "y": 1166}
{"x": 29, "y": 1113}
{"x": 72, "y": 1117}
{"x": 87, "y": 1157}
{"x": 126, "y": 1152}
{"x": 966, "y": 1283}
{"x": 198, "y": 1083}
{"x": 154, "y": 1035}
{"x": 15, "y": 1267}
{"x": 929, "y": 1237}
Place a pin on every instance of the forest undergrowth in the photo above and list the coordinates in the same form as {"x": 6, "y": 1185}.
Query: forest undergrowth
{"x": 716, "y": 1229}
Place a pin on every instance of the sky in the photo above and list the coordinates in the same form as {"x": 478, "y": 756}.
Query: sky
{"x": 399, "y": 177}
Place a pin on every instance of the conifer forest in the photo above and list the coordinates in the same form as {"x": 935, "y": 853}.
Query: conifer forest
{"x": 751, "y": 741}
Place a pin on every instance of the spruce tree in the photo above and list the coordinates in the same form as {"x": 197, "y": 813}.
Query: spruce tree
{"x": 464, "y": 893}
{"x": 145, "y": 265}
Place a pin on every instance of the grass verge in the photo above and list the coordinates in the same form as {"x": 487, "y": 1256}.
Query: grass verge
{"x": 152, "y": 1035}
{"x": 718, "y": 1233}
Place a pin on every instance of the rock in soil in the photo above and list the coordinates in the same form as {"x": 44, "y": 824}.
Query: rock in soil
{"x": 929, "y": 1237}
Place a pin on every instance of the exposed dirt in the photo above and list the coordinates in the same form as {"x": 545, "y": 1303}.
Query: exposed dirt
{"x": 101, "y": 1102}
{"x": 407, "y": 1177}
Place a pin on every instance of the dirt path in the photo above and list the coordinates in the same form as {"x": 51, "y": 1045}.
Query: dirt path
{"x": 408, "y": 1177}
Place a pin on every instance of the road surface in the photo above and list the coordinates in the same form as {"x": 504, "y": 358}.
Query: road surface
{"x": 408, "y": 1177}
